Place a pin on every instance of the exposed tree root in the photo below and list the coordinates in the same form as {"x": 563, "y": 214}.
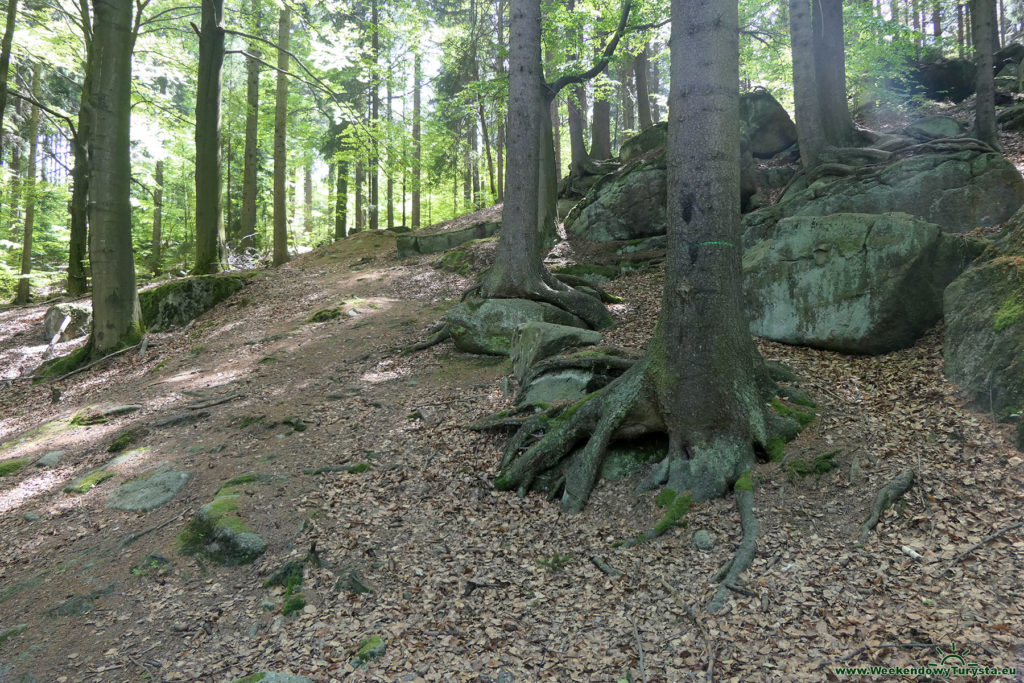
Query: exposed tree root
{"x": 888, "y": 495}
{"x": 435, "y": 335}
{"x": 576, "y": 281}
{"x": 741, "y": 561}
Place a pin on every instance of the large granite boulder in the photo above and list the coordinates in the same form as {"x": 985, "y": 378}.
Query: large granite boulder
{"x": 630, "y": 203}
{"x": 766, "y": 124}
{"x": 488, "y": 325}
{"x": 957, "y": 191}
{"x": 78, "y": 325}
{"x": 535, "y": 341}
{"x": 858, "y": 283}
{"x": 945, "y": 79}
{"x": 648, "y": 140}
{"x": 180, "y": 301}
{"x": 984, "y": 342}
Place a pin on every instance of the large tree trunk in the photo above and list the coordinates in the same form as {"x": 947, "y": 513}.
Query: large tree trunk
{"x": 158, "y": 213}
{"x": 810, "y": 133}
{"x": 499, "y": 142}
{"x": 830, "y": 72}
{"x": 249, "y": 156}
{"x": 417, "y": 116}
{"x": 209, "y": 208}
{"x": 115, "y": 301}
{"x": 5, "y": 61}
{"x": 983, "y": 25}
{"x": 32, "y": 133}
{"x": 280, "y": 150}
{"x": 643, "y": 94}
{"x": 528, "y": 216}
{"x": 601, "y": 126}
{"x": 701, "y": 380}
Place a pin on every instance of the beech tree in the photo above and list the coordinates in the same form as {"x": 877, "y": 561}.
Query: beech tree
{"x": 702, "y": 380}
{"x": 208, "y": 178}
{"x": 115, "y": 301}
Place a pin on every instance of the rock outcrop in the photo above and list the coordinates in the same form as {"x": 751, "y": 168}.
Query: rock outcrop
{"x": 858, "y": 283}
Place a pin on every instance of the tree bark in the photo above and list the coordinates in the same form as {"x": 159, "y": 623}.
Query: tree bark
{"x": 830, "y": 72}
{"x": 373, "y": 168}
{"x": 249, "y": 156}
{"x": 32, "y": 133}
{"x": 158, "y": 208}
{"x": 643, "y": 94}
{"x": 280, "y": 133}
{"x": 601, "y": 126}
{"x": 417, "y": 116}
{"x": 360, "y": 223}
{"x": 5, "y": 61}
{"x": 626, "y": 105}
{"x": 499, "y": 142}
{"x": 391, "y": 166}
{"x": 78, "y": 204}
{"x": 208, "y": 179}
{"x": 982, "y": 24}
{"x": 307, "y": 197}
{"x": 341, "y": 202}
{"x": 810, "y": 135}
{"x": 116, "y": 319}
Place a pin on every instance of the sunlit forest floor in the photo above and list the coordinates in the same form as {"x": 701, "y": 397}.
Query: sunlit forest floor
{"x": 469, "y": 583}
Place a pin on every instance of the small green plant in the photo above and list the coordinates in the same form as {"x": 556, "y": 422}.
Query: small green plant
{"x": 197, "y": 349}
{"x": 296, "y": 423}
{"x": 555, "y": 563}
{"x": 359, "y": 468}
{"x": 676, "y": 505}
{"x": 818, "y": 466}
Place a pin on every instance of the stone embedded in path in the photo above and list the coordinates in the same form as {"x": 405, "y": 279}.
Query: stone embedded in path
{"x": 857, "y": 283}
{"x": 94, "y": 415}
{"x": 272, "y": 677}
{"x": 220, "y": 534}
{"x": 50, "y": 459}
{"x": 487, "y": 325}
{"x": 150, "y": 491}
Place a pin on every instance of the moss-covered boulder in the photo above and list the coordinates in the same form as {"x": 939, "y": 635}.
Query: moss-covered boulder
{"x": 180, "y": 301}
{"x": 934, "y": 128}
{"x": 958, "y": 191}
{"x": 984, "y": 336}
{"x": 80, "y": 317}
{"x": 535, "y": 341}
{"x": 218, "y": 532}
{"x": 487, "y": 325}
{"x": 435, "y": 239}
{"x": 648, "y": 140}
{"x": 857, "y": 283}
{"x": 766, "y": 124}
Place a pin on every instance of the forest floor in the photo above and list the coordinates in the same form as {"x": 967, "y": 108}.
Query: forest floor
{"x": 469, "y": 583}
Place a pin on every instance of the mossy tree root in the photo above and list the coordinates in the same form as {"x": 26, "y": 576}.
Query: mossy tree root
{"x": 596, "y": 418}
{"x": 728, "y": 575}
{"x": 576, "y": 281}
{"x": 435, "y": 335}
{"x": 886, "y": 496}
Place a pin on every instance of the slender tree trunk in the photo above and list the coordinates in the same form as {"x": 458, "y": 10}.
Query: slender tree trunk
{"x": 78, "y": 204}
{"x": 374, "y": 165}
{"x": 830, "y": 71}
{"x": 654, "y": 86}
{"x": 577, "y": 115}
{"x": 116, "y": 319}
{"x": 390, "y": 167}
{"x": 341, "y": 202}
{"x": 32, "y": 133}
{"x": 332, "y": 170}
{"x": 556, "y": 135}
{"x": 937, "y": 22}
{"x": 307, "y": 197}
{"x": 810, "y": 134}
{"x": 601, "y": 126}
{"x": 1002, "y": 26}
{"x": 158, "y": 208}
{"x": 360, "y": 210}
{"x": 626, "y": 105}
{"x": 960, "y": 45}
{"x": 487, "y": 147}
{"x": 643, "y": 95}
{"x": 5, "y": 61}
{"x": 15, "y": 203}
{"x": 417, "y": 115}
{"x": 500, "y": 136}
{"x": 249, "y": 156}
{"x": 280, "y": 150}
{"x": 208, "y": 178}
{"x": 983, "y": 22}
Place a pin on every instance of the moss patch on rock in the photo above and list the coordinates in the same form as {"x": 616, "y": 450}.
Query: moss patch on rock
{"x": 181, "y": 301}
{"x": 817, "y": 466}
{"x": 88, "y": 481}
{"x": 219, "y": 534}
